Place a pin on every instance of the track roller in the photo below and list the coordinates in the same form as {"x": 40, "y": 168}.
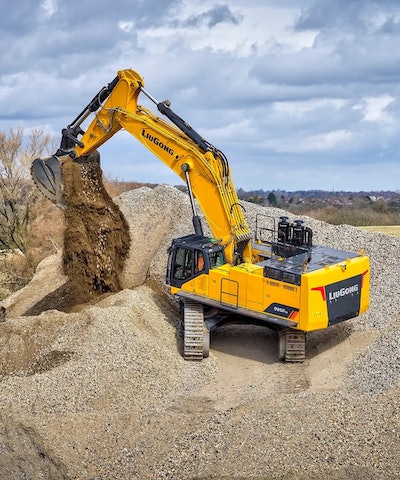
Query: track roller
{"x": 292, "y": 345}
{"x": 196, "y": 337}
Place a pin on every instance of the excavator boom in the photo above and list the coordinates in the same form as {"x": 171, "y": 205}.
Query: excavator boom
{"x": 197, "y": 162}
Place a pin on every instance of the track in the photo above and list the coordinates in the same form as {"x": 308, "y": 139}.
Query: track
{"x": 292, "y": 346}
{"x": 196, "y": 336}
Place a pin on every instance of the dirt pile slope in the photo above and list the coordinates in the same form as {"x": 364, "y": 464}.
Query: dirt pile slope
{"x": 105, "y": 394}
{"x": 155, "y": 217}
{"x": 23, "y": 456}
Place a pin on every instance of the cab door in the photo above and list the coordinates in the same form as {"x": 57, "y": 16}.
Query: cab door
{"x": 185, "y": 263}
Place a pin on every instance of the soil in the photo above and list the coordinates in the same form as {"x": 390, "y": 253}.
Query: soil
{"x": 96, "y": 238}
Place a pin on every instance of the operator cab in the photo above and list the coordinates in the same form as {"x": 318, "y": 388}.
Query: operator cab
{"x": 191, "y": 256}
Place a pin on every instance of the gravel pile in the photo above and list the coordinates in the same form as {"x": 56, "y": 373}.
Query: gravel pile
{"x": 101, "y": 392}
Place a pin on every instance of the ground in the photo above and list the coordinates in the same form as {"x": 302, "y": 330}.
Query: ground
{"x": 99, "y": 390}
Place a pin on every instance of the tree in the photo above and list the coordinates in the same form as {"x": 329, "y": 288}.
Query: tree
{"x": 380, "y": 206}
{"x": 16, "y": 190}
{"x": 254, "y": 199}
{"x": 272, "y": 199}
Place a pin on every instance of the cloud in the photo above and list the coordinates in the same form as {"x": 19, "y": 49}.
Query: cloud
{"x": 284, "y": 88}
{"x": 211, "y": 17}
{"x": 375, "y": 109}
{"x": 126, "y": 26}
{"x": 49, "y": 7}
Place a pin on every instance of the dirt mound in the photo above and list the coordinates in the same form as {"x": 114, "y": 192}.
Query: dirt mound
{"x": 96, "y": 238}
{"x": 156, "y": 216}
{"x": 153, "y": 223}
{"x": 47, "y": 290}
{"x": 108, "y": 395}
{"x": 23, "y": 454}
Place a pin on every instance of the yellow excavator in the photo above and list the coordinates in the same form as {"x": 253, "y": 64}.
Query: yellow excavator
{"x": 272, "y": 275}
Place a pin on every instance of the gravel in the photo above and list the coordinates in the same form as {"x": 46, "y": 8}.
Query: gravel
{"x": 105, "y": 394}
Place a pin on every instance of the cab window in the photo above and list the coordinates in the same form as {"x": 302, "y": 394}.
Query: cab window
{"x": 217, "y": 259}
{"x": 183, "y": 263}
{"x": 198, "y": 261}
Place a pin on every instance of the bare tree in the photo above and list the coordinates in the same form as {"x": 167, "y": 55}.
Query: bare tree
{"x": 16, "y": 190}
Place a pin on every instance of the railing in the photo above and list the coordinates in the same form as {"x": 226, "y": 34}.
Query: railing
{"x": 265, "y": 231}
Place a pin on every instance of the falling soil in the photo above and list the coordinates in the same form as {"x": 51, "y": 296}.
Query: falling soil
{"x": 96, "y": 239}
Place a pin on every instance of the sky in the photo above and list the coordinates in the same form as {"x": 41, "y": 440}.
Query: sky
{"x": 298, "y": 94}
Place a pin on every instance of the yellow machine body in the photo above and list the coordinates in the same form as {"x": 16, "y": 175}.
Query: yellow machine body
{"x": 322, "y": 297}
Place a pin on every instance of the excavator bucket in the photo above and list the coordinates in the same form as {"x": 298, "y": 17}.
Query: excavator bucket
{"x": 46, "y": 174}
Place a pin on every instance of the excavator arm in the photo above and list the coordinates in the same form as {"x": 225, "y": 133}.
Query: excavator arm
{"x": 202, "y": 166}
